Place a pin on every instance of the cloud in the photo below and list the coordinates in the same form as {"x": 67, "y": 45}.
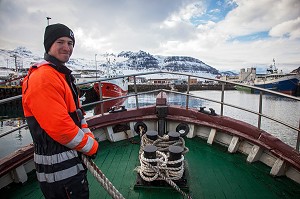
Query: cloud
{"x": 289, "y": 28}
{"x": 225, "y": 34}
{"x": 257, "y": 16}
{"x": 217, "y": 42}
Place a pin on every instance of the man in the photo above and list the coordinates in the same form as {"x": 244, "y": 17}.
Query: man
{"x": 58, "y": 129}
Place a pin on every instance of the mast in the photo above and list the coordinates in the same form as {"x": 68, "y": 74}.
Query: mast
{"x": 48, "y": 19}
{"x": 274, "y": 66}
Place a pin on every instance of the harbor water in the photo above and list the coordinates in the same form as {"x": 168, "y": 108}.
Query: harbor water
{"x": 286, "y": 110}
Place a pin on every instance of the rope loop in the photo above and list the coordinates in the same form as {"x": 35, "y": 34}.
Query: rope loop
{"x": 162, "y": 143}
{"x": 161, "y": 168}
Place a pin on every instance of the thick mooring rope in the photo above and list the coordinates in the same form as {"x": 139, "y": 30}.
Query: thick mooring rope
{"x": 170, "y": 182}
{"x": 163, "y": 143}
{"x": 172, "y": 173}
{"x": 101, "y": 178}
{"x": 160, "y": 172}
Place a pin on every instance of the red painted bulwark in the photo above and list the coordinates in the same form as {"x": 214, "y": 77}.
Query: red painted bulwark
{"x": 281, "y": 149}
{"x": 161, "y": 99}
{"x": 16, "y": 159}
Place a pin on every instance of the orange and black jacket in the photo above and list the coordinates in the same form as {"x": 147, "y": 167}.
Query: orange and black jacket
{"x": 51, "y": 107}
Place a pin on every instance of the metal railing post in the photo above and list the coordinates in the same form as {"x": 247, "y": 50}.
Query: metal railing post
{"x": 135, "y": 92}
{"x": 101, "y": 97}
{"x": 298, "y": 139}
{"x": 222, "y": 98}
{"x": 187, "y": 92}
{"x": 260, "y": 110}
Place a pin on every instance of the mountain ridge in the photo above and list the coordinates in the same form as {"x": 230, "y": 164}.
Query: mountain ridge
{"x": 141, "y": 60}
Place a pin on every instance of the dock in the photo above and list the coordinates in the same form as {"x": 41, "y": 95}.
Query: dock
{"x": 180, "y": 88}
{"x": 10, "y": 91}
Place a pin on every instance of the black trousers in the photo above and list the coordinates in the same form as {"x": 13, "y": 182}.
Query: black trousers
{"x": 71, "y": 188}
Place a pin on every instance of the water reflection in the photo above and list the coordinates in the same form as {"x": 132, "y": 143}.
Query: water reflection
{"x": 19, "y": 136}
{"x": 14, "y": 140}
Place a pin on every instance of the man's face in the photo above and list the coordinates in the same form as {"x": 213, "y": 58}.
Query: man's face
{"x": 62, "y": 49}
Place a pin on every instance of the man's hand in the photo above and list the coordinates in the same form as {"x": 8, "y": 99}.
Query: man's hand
{"x": 93, "y": 156}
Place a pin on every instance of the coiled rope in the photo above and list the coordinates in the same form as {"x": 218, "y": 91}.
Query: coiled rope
{"x": 101, "y": 178}
{"x": 163, "y": 143}
{"x": 161, "y": 171}
{"x": 172, "y": 173}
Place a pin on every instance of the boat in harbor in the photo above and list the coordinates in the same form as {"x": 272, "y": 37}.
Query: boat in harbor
{"x": 10, "y": 79}
{"x": 164, "y": 150}
{"x": 278, "y": 81}
{"x": 113, "y": 86}
{"x": 273, "y": 80}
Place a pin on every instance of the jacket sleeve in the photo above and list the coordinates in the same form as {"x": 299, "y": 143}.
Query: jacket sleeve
{"x": 47, "y": 103}
{"x": 85, "y": 128}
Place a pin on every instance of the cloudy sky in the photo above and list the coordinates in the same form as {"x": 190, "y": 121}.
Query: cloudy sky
{"x": 226, "y": 34}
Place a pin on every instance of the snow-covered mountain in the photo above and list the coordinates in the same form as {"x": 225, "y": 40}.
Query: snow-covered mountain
{"x": 125, "y": 60}
{"x": 143, "y": 60}
{"x": 20, "y": 57}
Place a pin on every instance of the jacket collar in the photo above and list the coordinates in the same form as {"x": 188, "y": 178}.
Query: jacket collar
{"x": 57, "y": 65}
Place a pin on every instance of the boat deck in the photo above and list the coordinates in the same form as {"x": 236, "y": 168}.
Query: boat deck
{"x": 234, "y": 177}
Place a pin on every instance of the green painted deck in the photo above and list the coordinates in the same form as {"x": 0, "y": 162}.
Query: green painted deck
{"x": 212, "y": 173}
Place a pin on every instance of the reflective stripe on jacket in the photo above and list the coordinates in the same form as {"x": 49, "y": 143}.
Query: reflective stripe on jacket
{"x": 48, "y": 104}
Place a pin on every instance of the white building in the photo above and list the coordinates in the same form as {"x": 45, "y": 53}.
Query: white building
{"x": 247, "y": 76}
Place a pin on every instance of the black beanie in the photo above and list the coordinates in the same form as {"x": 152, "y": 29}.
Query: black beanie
{"x": 55, "y": 31}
